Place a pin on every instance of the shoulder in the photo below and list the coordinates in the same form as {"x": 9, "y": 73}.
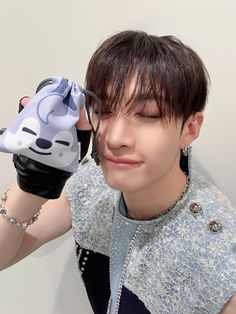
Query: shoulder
{"x": 213, "y": 203}
{"x": 87, "y": 179}
{"x": 212, "y": 216}
{"x": 208, "y": 205}
{"x": 87, "y": 171}
{"x": 212, "y": 225}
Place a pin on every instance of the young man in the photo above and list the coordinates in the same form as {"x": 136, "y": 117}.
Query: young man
{"x": 152, "y": 235}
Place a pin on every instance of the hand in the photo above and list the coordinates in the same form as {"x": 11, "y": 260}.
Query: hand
{"x": 42, "y": 180}
{"x": 43, "y": 137}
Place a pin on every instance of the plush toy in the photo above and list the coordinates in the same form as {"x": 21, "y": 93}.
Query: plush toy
{"x": 45, "y": 129}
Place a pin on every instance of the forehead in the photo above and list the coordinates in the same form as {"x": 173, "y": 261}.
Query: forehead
{"x": 132, "y": 88}
{"x": 132, "y": 91}
{"x": 128, "y": 88}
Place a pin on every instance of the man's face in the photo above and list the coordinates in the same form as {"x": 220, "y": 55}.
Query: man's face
{"x": 137, "y": 149}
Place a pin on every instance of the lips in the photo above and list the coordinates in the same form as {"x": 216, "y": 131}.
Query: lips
{"x": 120, "y": 161}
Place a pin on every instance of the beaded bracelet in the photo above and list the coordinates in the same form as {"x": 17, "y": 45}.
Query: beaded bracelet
{"x": 13, "y": 221}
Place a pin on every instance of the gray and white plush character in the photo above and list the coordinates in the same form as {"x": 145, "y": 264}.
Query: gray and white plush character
{"x": 45, "y": 129}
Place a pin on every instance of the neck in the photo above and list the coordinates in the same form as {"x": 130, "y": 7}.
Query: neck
{"x": 156, "y": 198}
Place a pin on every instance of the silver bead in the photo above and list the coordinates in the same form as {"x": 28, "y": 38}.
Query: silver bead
{"x": 195, "y": 208}
{"x": 12, "y": 221}
{"x": 2, "y": 211}
{"x": 24, "y": 225}
{"x": 4, "y": 197}
{"x": 215, "y": 226}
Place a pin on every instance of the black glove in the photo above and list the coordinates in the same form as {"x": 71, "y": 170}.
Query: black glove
{"x": 42, "y": 180}
{"x": 39, "y": 179}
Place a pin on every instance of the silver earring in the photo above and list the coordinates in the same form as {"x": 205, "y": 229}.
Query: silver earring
{"x": 185, "y": 151}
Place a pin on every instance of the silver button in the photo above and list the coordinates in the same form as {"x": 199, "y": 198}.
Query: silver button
{"x": 195, "y": 208}
{"x": 215, "y": 226}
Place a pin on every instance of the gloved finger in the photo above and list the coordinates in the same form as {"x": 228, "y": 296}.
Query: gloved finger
{"x": 23, "y": 102}
{"x": 2, "y": 130}
{"x": 84, "y": 131}
{"x": 83, "y": 123}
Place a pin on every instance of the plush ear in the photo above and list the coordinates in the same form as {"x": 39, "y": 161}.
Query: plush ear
{"x": 44, "y": 83}
{"x": 69, "y": 101}
{"x": 191, "y": 129}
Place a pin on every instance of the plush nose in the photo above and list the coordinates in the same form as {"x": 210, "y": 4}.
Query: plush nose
{"x": 42, "y": 143}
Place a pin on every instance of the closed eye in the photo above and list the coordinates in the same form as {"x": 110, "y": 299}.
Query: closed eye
{"x": 102, "y": 112}
{"x": 63, "y": 142}
{"x": 146, "y": 116}
{"x": 28, "y": 131}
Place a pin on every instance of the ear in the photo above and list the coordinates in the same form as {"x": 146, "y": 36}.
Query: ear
{"x": 191, "y": 129}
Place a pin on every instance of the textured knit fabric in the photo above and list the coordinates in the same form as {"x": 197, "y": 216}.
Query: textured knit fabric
{"x": 183, "y": 262}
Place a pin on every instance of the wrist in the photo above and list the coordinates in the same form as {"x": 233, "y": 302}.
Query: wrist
{"x": 21, "y": 205}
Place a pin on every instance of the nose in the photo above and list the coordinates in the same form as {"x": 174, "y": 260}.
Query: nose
{"x": 118, "y": 133}
{"x": 42, "y": 143}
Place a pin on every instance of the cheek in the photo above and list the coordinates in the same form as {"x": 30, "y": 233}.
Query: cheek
{"x": 19, "y": 140}
{"x": 157, "y": 142}
{"x": 159, "y": 150}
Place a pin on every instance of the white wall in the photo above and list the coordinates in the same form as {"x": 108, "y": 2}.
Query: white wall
{"x": 40, "y": 38}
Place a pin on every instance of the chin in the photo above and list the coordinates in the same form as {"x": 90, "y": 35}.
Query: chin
{"x": 122, "y": 186}
{"x": 123, "y": 181}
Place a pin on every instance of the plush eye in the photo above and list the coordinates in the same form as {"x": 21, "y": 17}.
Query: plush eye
{"x": 63, "y": 139}
{"x": 63, "y": 142}
{"x": 27, "y": 130}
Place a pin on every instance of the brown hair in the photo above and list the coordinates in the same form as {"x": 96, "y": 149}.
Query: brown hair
{"x": 165, "y": 69}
